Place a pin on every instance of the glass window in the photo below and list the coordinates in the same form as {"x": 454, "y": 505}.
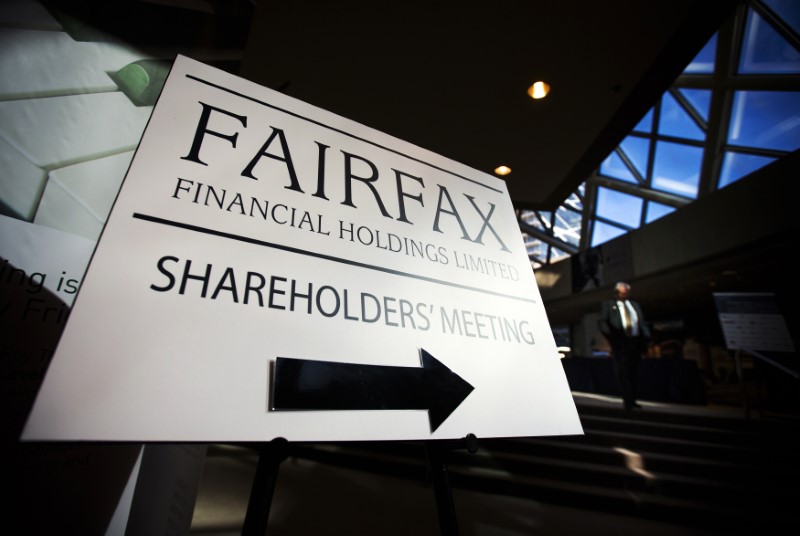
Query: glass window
{"x": 568, "y": 226}
{"x": 604, "y": 232}
{"x": 788, "y": 11}
{"x": 636, "y": 150}
{"x": 544, "y": 221}
{"x": 557, "y": 254}
{"x": 614, "y": 167}
{"x": 677, "y": 168}
{"x": 762, "y": 120}
{"x": 737, "y": 165}
{"x": 700, "y": 99}
{"x": 674, "y": 121}
{"x": 534, "y": 246}
{"x": 656, "y": 210}
{"x": 766, "y": 119}
{"x": 765, "y": 51}
{"x": 703, "y": 63}
{"x": 619, "y": 207}
{"x": 575, "y": 200}
{"x": 646, "y": 124}
{"x": 528, "y": 216}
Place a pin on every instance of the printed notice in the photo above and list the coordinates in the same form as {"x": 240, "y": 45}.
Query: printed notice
{"x": 752, "y": 321}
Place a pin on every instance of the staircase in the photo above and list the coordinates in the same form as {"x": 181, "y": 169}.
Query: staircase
{"x": 715, "y": 472}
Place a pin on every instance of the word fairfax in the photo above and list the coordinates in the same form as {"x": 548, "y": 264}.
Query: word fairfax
{"x": 353, "y": 172}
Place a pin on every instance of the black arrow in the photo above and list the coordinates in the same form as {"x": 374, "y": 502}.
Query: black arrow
{"x": 302, "y": 384}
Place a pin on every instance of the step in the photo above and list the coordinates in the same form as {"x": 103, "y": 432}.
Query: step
{"x": 749, "y": 456}
{"x": 616, "y": 456}
{"x": 634, "y": 478}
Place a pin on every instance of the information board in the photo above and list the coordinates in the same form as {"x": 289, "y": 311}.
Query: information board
{"x": 752, "y": 321}
{"x": 271, "y": 269}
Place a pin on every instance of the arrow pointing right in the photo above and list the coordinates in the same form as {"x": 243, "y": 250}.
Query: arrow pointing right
{"x": 302, "y": 384}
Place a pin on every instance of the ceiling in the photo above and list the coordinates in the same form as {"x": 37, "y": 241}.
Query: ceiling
{"x": 452, "y": 76}
{"x": 448, "y": 76}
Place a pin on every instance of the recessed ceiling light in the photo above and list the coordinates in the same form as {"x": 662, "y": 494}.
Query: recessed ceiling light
{"x": 539, "y": 90}
{"x": 502, "y": 170}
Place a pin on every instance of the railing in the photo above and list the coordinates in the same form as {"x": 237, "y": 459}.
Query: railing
{"x": 772, "y": 362}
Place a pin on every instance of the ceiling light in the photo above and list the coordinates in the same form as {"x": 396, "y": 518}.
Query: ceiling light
{"x": 502, "y": 170}
{"x": 539, "y": 90}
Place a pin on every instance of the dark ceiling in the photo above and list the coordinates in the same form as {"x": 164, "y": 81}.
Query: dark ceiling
{"x": 452, "y": 76}
{"x": 448, "y": 76}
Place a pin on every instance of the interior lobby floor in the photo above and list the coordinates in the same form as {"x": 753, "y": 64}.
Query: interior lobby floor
{"x": 318, "y": 499}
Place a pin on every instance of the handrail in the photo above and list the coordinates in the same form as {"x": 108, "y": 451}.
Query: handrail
{"x": 738, "y": 361}
{"x": 787, "y": 370}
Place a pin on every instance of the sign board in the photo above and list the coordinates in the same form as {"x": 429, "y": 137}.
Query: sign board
{"x": 752, "y": 321}
{"x": 270, "y": 269}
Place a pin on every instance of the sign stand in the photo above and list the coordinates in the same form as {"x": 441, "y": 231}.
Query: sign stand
{"x": 737, "y": 357}
{"x": 448, "y": 524}
{"x": 751, "y": 321}
{"x": 272, "y": 454}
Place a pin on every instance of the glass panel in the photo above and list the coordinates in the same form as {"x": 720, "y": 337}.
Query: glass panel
{"x": 766, "y": 119}
{"x": 547, "y": 217}
{"x": 529, "y": 241}
{"x": 677, "y": 168}
{"x": 619, "y": 207}
{"x": 528, "y": 216}
{"x": 703, "y": 63}
{"x": 574, "y": 202}
{"x": 656, "y": 210}
{"x": 675, "y": 121}
{"x": 646, "y": 124}
{"x": 568, "y": 226}
{"x": 604, "y": 232}
{"x": 614, "y": 167}
{"x": 534, "y": 246}
{"x": 557, "y": 254}
{"x": 737, "y": 165}
{"x": 700, "y": 100}
{"x": 567, "y": 218}
{"x": 765, "y": 51}
{"x": 788, "y": 11}
{"x": 636, "y": 150}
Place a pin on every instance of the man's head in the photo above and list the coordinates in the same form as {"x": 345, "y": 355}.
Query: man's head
{"x": 622, "y": 290}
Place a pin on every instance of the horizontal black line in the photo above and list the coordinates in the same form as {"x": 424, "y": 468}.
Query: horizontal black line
{"x": 253, "y": 99}
{"x": 246, "y": 239}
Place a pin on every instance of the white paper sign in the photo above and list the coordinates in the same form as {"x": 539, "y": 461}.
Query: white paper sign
{"x": 253, "y": 231}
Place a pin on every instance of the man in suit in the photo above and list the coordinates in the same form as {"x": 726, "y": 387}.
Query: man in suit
{"x": 622, "y": 322}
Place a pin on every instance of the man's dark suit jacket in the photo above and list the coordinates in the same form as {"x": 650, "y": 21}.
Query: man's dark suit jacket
{"x": 610, "y": 324}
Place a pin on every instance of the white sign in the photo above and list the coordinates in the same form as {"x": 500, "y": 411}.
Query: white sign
{"x": 256, "y": 237}
{"x": 752, "y": 321}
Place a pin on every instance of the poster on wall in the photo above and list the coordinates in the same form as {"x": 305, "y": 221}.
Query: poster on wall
{"x": 59, "y": 78}
{"x": 270, "y": 269}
